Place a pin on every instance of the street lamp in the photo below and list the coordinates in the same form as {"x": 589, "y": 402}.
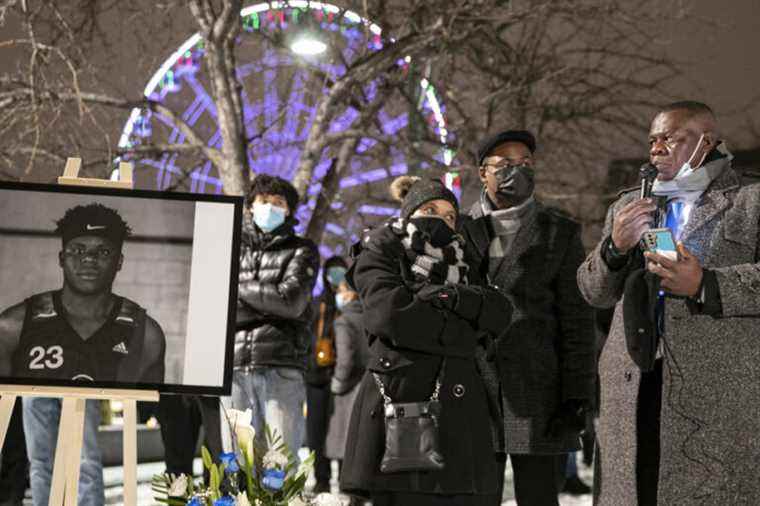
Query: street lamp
{"x": 306, "y": 37}
{"x": 308, "y": 45}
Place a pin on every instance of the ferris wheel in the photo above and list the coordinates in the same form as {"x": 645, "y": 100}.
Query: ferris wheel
{"x": 280, "y": 96}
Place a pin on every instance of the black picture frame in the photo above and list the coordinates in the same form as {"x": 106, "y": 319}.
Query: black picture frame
{"x": 87, "y": 191}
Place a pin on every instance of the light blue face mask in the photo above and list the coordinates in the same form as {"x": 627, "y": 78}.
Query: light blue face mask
{"x": 340, "y": 302}
{"x": 268, "y": 217}
{"x": 335, "y": 275}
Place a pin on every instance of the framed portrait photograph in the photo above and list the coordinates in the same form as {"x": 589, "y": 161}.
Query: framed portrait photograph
{"x": 110, "y": 288}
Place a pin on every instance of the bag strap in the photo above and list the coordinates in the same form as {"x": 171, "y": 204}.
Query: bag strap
{"x": 387, "y": 401}
{"x": 321, "y": 321}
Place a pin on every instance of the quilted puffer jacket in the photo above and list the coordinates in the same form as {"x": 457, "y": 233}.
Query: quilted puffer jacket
{"x": 277, "y": 275}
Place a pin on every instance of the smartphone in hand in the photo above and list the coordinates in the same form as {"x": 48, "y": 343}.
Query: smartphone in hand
{"x": 661, "y": 241}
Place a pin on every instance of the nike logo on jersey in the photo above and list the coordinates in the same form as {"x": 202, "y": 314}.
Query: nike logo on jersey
{"x": 121, "y": 348}
{"x": 95, "y": 227}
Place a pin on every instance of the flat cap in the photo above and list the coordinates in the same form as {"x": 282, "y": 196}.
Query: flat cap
{"x": 522, "y": 136}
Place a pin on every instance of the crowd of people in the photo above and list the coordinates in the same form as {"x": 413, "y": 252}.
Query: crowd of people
{"x": 453, "y": 341}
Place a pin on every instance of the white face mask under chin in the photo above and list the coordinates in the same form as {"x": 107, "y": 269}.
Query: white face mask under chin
{"x": 688, "y": 179}
{"x": 687, "y": 168}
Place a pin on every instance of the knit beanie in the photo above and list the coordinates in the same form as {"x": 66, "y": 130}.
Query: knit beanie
{"x": 413, "y": 191}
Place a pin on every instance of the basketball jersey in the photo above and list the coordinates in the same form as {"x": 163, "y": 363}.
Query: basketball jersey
{"x": 50, "y": 348}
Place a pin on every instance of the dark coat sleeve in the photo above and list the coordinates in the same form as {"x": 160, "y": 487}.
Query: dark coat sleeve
{"x": 346, "y": 340}
{"x": 290, "y": 297}
{"x": 396, "y": 314}
{"x": 577, "y": 343}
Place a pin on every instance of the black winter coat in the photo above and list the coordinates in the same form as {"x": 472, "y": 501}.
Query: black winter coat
{"x": 352, "y": 356}
{"x": 409, "y": 334}
{"x": 277, "y": 275}
{"x": 352, "y": 353}
{"x": 547, "y": 353}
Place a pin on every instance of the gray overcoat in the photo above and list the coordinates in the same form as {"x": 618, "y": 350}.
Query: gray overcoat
{"x": 710, "y": 419}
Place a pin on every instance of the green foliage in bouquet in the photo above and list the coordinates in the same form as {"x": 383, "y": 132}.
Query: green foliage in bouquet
{"x": 273, "y": 476}
{"x": 256, "y": 473}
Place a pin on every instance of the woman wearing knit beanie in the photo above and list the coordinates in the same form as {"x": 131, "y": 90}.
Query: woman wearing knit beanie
{"x": 425, "y": 319}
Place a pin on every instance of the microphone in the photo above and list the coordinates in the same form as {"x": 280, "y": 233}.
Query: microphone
{"x": 647, "y": 174}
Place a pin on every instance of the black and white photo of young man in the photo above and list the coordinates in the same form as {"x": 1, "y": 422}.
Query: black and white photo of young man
{"x": 83, "y": 331}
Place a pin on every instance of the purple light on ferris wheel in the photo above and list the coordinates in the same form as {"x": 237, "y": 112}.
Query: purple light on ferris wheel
{"x": 277, "y": 150}
{"x": 374, "y": 175}
{"x": 335, "y": 229}
{"x": 325, "y": 252}
{"x": 185, "y": 62}
{"x": 378, "y": 210}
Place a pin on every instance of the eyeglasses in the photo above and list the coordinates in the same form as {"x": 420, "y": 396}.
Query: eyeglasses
{"x": 508, "y": 164}
{"x": 80, "y": 252}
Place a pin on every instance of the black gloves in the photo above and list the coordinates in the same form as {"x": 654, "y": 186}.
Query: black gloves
{"x": 440, "y": 296}
{"x": 570, "y": 417}
{"x": 495, "y": 313}
{"x": 430, "y": 268}
{"x": 469, "y": 302}
{"x": 485, "y": 308}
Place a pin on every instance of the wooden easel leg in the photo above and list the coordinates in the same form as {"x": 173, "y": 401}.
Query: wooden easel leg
{"x": 73, "y": 453}
{"x": 58, "y": 483}
{"x": 7, "y": 402}
{"x": 64, "y": 485}
{"x": 130, "y": 452}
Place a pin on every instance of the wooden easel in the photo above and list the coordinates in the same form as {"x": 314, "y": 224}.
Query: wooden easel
{"x": 65, "y": 483}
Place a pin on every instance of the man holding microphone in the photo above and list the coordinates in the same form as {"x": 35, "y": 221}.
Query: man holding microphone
{"x": 680, "y": 371}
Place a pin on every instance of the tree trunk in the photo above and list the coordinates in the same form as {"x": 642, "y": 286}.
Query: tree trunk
{"x": 330, "y": 186}
{"x": 360, "y": 74}
{"x": 219, "y": 32}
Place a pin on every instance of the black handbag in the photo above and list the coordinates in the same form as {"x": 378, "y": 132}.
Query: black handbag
{"x": 411, "y": 432}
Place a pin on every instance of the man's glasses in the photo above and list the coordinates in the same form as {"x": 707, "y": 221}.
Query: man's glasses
{"x": 508, "y": 164}
{"x": 80, "y": 252}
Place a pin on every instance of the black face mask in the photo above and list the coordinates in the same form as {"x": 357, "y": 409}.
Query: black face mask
{"x": 437, "y": 233}
{"x": 516, "y": 183}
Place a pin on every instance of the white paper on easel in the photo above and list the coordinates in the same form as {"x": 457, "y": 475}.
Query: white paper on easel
{"x": 207, "y": 314}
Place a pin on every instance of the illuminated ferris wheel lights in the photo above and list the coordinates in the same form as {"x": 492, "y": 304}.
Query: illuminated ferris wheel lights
{"x": 308, "y": 46}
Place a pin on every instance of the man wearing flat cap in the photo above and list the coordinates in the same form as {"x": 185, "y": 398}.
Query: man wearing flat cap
{"x": 81, "y": 332}
{"x": 545, "y": 357}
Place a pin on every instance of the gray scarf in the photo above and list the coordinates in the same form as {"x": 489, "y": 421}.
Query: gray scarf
{"x": 506, "y": 223}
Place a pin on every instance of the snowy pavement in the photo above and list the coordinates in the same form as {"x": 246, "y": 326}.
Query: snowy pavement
{"x": 114, "y": 492}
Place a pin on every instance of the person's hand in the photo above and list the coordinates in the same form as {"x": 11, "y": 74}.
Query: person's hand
{"x": 440, "y": 296}
{"x": 430, "y": 268}
{"x": 681, "y": 277}
{"x": 571, "y": 416}
{"x": 632, "y": 221}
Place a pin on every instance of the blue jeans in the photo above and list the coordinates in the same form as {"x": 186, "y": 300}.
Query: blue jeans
{"x": 572, "y": 466}
{"x": 41, "y": 417}
{"x": 276, "y": 396}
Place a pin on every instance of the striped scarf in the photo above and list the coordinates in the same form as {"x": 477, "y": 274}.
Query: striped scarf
{"x": 445, "y": 263}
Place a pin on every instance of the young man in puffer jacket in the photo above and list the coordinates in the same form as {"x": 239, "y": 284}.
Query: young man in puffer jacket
{"x": 278, "y": 270}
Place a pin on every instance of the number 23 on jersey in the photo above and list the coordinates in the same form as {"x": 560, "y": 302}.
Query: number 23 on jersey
{"x": 46, "y": 358}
